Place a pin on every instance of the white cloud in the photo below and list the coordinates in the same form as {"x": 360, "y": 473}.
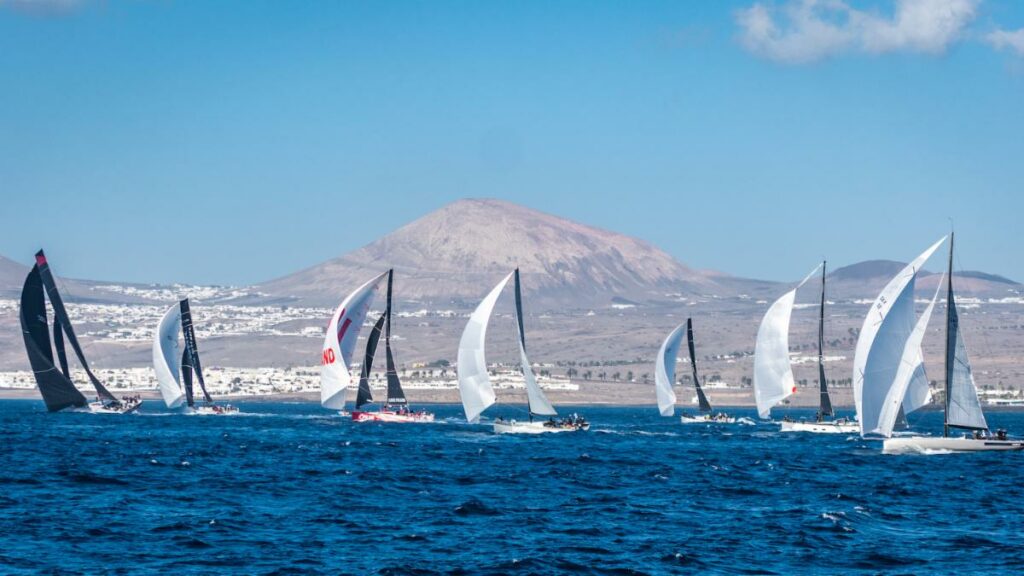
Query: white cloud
{"x": 808, "y": 30}
{"x": 1012, "y": 40}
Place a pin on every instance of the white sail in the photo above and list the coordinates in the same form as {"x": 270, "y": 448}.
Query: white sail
{"x": 342, "y": 333}
{"x": 963, "y": 409}
{"x": 883, "y": 338}
{"x": 911, "y": 368}
{"x": 665, "y": 371}
{"x": 538, "y": 402}
{"x": 474, "y": 382}
{"x": 919, "y": 392}
{"x": 773, "y": 376}
{"x": 167, "y": 357}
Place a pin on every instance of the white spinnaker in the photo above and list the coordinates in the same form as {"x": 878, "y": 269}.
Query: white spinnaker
{"x": 910, "y": 367}
{"x": 342, "y": 334}
{"x": 167, "y": 357}
{"x": 773, "y": 376}
{"x": 471, "y": 364}
{"x": 882, "y": 340}
{"x": 919, "y": 393}
{"x": 665, "y": 371}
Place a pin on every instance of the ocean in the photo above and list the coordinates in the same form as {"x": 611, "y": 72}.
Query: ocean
{"x": 294, "y": 489}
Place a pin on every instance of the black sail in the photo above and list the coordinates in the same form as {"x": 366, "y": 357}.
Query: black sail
{"x": 186, "y": 376}
{"x": 825, "y": 408}
{"x": 363, "y": 395}
{"x": 57, "y": 390}
{"x": 61, "y": 315}
{"x": 395, "y": 393}
{"x": 191, "y": 348}
{"x": 62, "y": 355}
{"x": 702, "y": 400}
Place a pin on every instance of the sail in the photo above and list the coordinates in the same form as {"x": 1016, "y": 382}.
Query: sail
{"x": 882, "y": 341}
{"x": 192, "y": 347}
{"x": 824, "y": 402}
{"x": 57, "y": 390}
{"x": 894, "y": 409}
{"x": 773, "y": 376}
{"x": 61, "y": 315}
{"x": 186, "y": 376}
{"x": 538, "y": 402}
{"x": 963, "y": 410}
{"x": 474, "y": 383}
{"x": 340, "y": 342}
{"x": 395, "y": 393}
{"x": 665, "y": 371}
{"x": 363, "y": 394}
{"x": 702, "y": 400}
{"x": 167, "y": 358}
{"x": 62, "y": 355}
{"x": 919, "y": 392}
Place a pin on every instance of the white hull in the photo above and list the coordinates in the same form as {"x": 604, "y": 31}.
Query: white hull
{"x": 388, "y": 416}
{"x": 820, "y": 427}
{"x": 928, "y": 444}
{"x": 100, "y": 408}
{"x": 707, "y": 419}
{"x": 513, "y": 427}
{"x": 212, "y": 410}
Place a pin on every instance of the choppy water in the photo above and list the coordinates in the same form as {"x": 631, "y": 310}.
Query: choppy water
{"x": 291, "y": 489}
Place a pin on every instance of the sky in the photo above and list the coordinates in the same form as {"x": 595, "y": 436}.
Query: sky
{"x": 234, "y": 142}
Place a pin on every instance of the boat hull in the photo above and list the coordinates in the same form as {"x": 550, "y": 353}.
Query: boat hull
{"x": 708, "y": 419}
{"x": 927, "y": 444}
{"x": 100, "y": 408}
{"x": 212, "y": 410}
{"x": 388, "y": 416}
{"x": 820, "y": 427}
{"x": 512, "y": 427}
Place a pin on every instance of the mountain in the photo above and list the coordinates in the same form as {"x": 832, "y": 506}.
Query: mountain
{"x": 455, "y": 254}
{"x": 12, "y": 276}
{"x": 866, "y": 279}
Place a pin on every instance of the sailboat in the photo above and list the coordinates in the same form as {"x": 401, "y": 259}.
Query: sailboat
{"x": 175, "y": 367}
{"x": 665, "y": 374}
{"x": 962, "y": 409}
{"x": 396, "y": 407}
{"x": 475, "y": 384}
{"x": 773, "y": 372}
{"x": 56, "y": 387}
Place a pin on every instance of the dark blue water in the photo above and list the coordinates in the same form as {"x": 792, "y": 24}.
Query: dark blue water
{"x": 294, "y": 490}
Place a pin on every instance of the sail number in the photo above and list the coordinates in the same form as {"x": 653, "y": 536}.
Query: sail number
{"x": 328, "y": 357}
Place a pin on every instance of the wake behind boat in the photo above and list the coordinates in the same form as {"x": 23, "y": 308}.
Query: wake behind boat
{"x": 175, "y": 368}
{"x": 665, "y": 375}
{"x": 56, "y": 387}
{"x": 475, "y": 384}
{"x": 339, "y": 346}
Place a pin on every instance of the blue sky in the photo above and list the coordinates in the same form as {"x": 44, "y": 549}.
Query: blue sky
{"x": 233, "y": 142}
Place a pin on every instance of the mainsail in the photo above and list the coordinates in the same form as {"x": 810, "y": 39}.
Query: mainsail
{"x": 363, "y": 394}
{"x": 773, "y": 376}
{"x": 60, "y": 315}
{"x": 824, "y": 402}
{"x": 340, "y": 342}
{"x": 963, "y": 410}
{"x": 702, "y": 400}
{"x": 396, "y": 396}
{"x": 665, "y": 371}
{"x": 474, "y": 383}
{"x": 167, "y": 357}
{"x": 56, "y": 388}
{"x": 192, "y": 350}
{"x": 538, "y": 403}
{"x": 882, "y": 341}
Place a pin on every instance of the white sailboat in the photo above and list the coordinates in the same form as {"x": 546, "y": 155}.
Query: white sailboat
{"x": 665, "y": 375}
{"x": 962, "y": 408}
{"x": 340, "y": 343}
{"x": 475, "y": 388}
{"x": 773, "y": 373}
{"x": 175, "y": 367}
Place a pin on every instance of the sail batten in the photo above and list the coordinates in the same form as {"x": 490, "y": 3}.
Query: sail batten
{"x": 665, "y": 371}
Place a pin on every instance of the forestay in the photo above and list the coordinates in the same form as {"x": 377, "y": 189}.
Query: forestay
{"x": 474, "y": 382}
{"x": 665, "y": 371}
{"x": 773, "y": 376}
{"x": 340, "y": 342}
{"x": 883, "y": 338}
{"x": 167, "y": 357}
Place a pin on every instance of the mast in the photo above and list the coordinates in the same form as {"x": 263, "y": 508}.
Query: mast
{"x": 950, "y": 330}
{"x": 395, "y": 393}
{"x": 363, "y": 395}
{"x": 702, "y": 400}
{"x": 191, "y": 347}
{"x": 186, "y": 376}
{"x": 825, "y": 405}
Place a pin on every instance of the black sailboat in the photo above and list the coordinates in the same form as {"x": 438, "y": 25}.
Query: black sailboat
{"x": 703, "y": 405}
{"x": 395, "y": 407}
{"x": 55, "y": 385}
{"x": 176, "y": 379}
